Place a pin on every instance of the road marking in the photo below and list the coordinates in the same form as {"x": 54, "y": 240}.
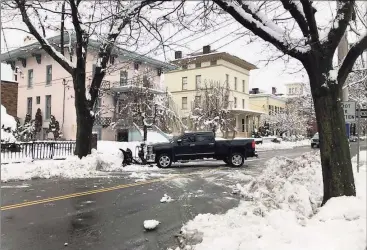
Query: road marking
{"x": 96, "y": 191}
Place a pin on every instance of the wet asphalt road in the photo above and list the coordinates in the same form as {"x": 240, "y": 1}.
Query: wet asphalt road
{"x": 114, "y": 219}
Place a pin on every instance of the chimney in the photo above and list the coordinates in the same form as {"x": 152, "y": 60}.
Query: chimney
{"x": 255, "y": 90}
{"x": 178, "y": 54}
{"x": 206, "y": 49}
{"x": 274, "y": 90}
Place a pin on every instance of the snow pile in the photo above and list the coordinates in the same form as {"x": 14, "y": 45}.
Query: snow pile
{"x": 151, "y": 224}
{"x": 8, "y": 125}
{"x": 282, "y": 145}
{"x": 280, "y": 211}
{"x": 166, "y": 199}
{"x": 99, "y": 163}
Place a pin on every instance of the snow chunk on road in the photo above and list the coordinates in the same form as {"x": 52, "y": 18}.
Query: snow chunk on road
{"x": 166, "y": 199}
{"x": 151, "y": 224}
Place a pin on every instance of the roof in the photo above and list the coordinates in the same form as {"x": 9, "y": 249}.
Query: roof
{"x": 8, "y": 81}
{"x": 268, "y": 95}
{"x": 29, "y": 50}
{"x": 215, "y": 56}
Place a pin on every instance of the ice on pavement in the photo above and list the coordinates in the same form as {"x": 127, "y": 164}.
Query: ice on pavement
{"x": 166, "y": 199}
{"x": 151, "y": 224}
{"x": 281, "y": 210}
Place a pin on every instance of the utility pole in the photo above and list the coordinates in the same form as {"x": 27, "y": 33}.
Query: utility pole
{"x": 342, "y": 53}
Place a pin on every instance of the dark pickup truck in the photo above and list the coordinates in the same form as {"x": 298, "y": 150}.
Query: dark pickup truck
{"x": 202, "y": 145}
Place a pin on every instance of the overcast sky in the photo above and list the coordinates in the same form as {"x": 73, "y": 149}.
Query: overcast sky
{"x": 274, "y": 73}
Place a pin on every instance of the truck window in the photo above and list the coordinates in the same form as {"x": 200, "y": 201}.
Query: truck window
{"x": 204, "y": 138}
{"x": 188, "y": 138}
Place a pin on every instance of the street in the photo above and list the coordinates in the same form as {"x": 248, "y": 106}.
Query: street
{"x": 108, "y": 213}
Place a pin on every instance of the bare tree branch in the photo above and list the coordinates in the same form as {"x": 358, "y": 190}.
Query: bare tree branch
{"x": 42, "y": 40}
{"x": 355, "y": 51}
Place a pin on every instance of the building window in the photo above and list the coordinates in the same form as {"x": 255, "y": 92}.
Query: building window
{"x": 30, "y": 78}
{"x": 197, "y": 101}
{"x": 29, "y": 106}
{"x": 123, "y": 77}
{"x": 184, "y": 83}
{"x": 159, "y": 72}
{"x": 213, "y": 62}
{"x": 15, "y": 77}
{"x": 184, "y": 102}
{"x": 243, "y": 86}
{"x": 197, "y": 65}
{"x": 38, "y": 100}
{"x": 184, "y": 121}
{"x": 243, "y": 103}
{"x": 48, "y": 74}
{"x": 227, "y": 81}
{"x": 243, "y": 125}
{"x": 226, "y": 101}
{"x": 136, "y": 66}
{"x": 198, "y": 82}
{"x": 235, "y": 102}
{"x": 235, "y": 83}
{"x": 48, "y": 107}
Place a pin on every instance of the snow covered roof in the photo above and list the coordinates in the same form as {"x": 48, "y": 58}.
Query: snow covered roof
{"x": 250, "y": 111}
{"x": 30, "y": 49}
{"x": 215, "y": 56}
{"x": 268, "y": 95}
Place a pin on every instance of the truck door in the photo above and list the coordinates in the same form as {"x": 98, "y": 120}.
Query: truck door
{"x": 184, "y": 148}
{"x": 204, "y": 145}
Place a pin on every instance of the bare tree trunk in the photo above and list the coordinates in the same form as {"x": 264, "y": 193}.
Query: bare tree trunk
{"x": 84, "y": 118}
{"x": 334, "y": 147}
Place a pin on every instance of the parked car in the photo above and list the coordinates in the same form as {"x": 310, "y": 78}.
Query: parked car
{"x": 202, "y": 145}
{"x": 353, "y": 138}
{"x": 315, "y": 141}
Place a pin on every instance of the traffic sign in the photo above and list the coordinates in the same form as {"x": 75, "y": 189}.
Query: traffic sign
{"x": 362, "y": 113}
{"x": 349, "y": 111}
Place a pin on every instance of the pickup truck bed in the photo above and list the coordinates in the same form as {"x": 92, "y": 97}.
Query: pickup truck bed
{"x": 202, "y": 145}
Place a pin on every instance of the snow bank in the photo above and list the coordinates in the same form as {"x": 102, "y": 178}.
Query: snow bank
{"x": 8, "y": 125}
{"x": 107, "y": 158}
{"x": 282, "y": 145}
{"x": 151, "y": 224}
{"x": 281, "y": 210}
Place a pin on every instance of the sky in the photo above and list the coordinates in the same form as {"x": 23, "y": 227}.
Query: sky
{"x": 226, "y": 39}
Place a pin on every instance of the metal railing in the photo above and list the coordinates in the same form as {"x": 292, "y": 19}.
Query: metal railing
{"x": 36, "y": 150}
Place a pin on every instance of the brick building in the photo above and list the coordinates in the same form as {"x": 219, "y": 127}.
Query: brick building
{"x": 9, "y": 96}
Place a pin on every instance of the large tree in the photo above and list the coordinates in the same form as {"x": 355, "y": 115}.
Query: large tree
{"x": 315, "y": 51}
{"x": 112, "y": 19}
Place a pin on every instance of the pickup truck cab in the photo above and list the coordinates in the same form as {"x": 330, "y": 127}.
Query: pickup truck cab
{"x": 202, "y": 145}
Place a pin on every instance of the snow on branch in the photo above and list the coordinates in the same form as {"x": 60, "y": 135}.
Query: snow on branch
{"x": 247, "y": 14}
{"x": 339, "y": 24}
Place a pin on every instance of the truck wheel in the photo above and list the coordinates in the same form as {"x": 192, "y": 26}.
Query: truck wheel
{"x": 164, "y": 161}
{"x": 237, "y": 159}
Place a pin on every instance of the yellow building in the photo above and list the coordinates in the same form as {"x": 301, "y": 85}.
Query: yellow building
{"x": 207, "y": 67}
{"x": 295, "y": 89}
{"x": 267, "y": 103}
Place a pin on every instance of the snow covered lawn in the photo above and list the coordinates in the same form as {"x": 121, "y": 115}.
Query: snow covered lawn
{"x": 282, "y": 145}
{"x": 107, "y": 158}
{"x": 281, "y": 210}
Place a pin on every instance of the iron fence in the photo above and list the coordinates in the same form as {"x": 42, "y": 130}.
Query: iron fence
{"x": 36, "y": 150}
